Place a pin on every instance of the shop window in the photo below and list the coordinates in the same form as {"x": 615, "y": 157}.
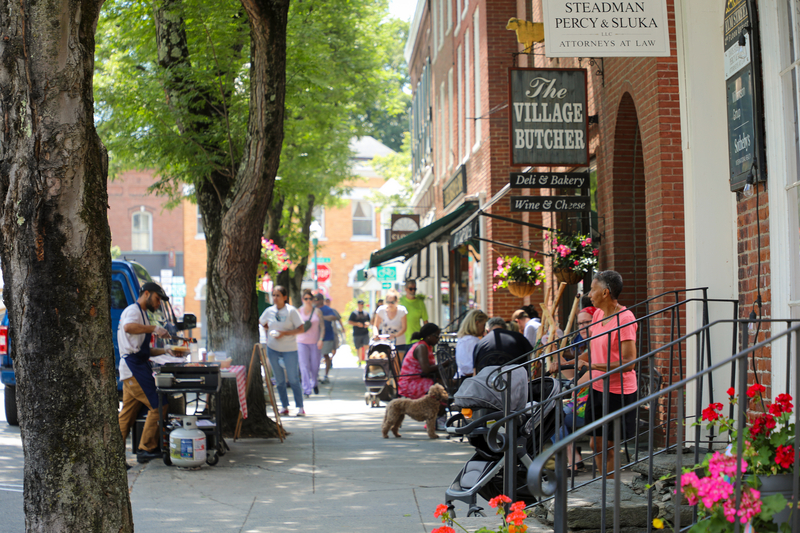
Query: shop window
{"x": 142, "y": 232}
{"x": 363, "y": 219}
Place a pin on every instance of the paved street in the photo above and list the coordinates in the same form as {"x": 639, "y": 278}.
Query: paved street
{"x": 334, "y": 473}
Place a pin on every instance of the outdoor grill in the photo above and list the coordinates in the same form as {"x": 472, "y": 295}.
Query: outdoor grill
{"x": 200, "y": 377}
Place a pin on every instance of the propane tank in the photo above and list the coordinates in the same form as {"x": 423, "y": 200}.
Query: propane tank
{"x": 187, "y": 445}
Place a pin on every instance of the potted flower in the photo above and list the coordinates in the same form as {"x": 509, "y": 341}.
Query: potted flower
{"x": 513, "y": 523}
{"x": 574, "y": 256}
{"x": 274, "y": 260}
{"x": 519, "y": 276}
{"x": 768, "y": 457}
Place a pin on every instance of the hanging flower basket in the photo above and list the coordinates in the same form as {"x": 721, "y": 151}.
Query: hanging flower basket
{"x": 570, "y": 277}
{"x": 521, "y": 289}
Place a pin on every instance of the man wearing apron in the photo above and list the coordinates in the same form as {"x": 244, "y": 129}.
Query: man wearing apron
{"x": 138, "y": 385}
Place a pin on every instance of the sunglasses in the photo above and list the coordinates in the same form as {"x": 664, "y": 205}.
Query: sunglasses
{"x": 391, "y": 301}
{"x": 585, "y": 323}
{"x": 412, "y": 289}
{"x": 308, "y": 299}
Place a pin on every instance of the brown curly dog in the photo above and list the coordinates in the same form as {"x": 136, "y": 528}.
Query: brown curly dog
{"x": 424, "y": 409}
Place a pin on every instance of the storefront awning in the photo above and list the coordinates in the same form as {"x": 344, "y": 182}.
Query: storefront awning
{"x": 433, "y": 232}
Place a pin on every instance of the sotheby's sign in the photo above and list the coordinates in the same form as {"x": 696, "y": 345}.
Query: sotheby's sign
{"x": 606, "y": 29}
{"x": 548, "y": 120}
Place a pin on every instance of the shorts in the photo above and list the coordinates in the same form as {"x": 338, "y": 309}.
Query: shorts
{"x": 360, "y": 341}
{"x": 328, "y": 347}
{"x": 594, "y": 411}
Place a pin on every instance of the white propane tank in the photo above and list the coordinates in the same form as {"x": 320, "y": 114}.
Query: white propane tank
{"x": 187, "y": 445}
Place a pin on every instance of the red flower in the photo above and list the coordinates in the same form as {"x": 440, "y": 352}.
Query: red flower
{"x": 444, "y": 529}
{"x": 577, "y": 262}
{"x": 517, "y": 529}
{"x": 497, "y": 500}
{"x": 595, "y": 252}
{"x": 757, "y": 388}
{"x": 770, "y": 422}
{"x": 785, "y": 401}
{"x": 784, "y": 456}
{"x": 518, "y": 506}
{"x": 440, "y": 510}
{"x": 776, "y": 409}
{"x": 731, "y": 392}
{"x": 710, "y": 412}
{"x": 517, "y": 517}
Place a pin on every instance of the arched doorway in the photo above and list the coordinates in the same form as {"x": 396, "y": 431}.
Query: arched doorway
{"x": 628, "y": 230}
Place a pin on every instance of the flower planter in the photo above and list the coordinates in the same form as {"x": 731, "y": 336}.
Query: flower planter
{"x": 567, "y": 276}
{"x": 521, "y": 289}
{"x": 778, "y": 484}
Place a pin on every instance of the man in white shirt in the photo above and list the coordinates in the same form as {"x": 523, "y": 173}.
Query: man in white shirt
{"x": 138, "y": 385}
{"x": 528, "y": 325}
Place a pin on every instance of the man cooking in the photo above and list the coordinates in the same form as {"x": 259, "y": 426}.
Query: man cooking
{"x": 138, "y": 385}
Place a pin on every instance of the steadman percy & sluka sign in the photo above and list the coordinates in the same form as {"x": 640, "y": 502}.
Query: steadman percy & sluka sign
{"x": 606, "y": 29}
{"x": 548, "y": 122}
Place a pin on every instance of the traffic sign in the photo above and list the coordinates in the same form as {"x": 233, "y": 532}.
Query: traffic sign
{"x": 387, "y": 273}
{"x": 323, "y": 273}
{"x": 386, "y": 286}
{"x": 321, "y": 260}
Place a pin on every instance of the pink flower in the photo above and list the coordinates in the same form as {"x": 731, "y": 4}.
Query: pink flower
{"x": 595, "y": 252}
{"x": 713, "y": 489}
{"x": 750, "y": 506}
{"x": 720, "y": 464}
{"x": 577, "y": 262}
{"x": 586, "y": 242}
{"x": 689, "y": 482}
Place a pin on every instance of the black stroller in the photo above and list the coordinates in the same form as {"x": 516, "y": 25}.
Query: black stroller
{"x": 380, "y": 373}
{"x": 483, "y": 472}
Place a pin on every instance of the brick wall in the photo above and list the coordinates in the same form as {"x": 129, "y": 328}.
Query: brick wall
{"x": 194, "y": 258}
{"x": 127, "y": 194}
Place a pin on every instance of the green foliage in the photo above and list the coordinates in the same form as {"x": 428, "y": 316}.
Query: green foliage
{"x": 515, "y": 268}
{"x": 396, "y": 166}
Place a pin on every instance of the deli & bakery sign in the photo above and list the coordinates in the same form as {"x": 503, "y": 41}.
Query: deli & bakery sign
{"x": 606, "y": 29}
{"x": 548, "y": 121}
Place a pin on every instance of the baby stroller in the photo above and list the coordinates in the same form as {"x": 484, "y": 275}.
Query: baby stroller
{"x": 380, "y": 372}
{"x": 483, "y": 472}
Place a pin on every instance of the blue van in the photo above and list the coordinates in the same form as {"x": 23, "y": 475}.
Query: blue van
{"x": 127, "y": 277}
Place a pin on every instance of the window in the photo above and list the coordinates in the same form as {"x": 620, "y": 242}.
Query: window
{"x": 450, "y": 120}
{"x": 476, "y": 63}
{"x": 441, "y": 23}
{"x": 421, "y": 125}
{"x": 118, "y": 300}
{"x": 790, "y": 77}
{"x": 435, "y": 27}
{"x": 467, "y": 92}
{"x": 449, "y": 15}
{"x": 441, "y": 139}
{"x": 458, "y": 15}
{"x": 318, "y": 216}
{"x": 363, "y": 219}
{"x": 141, "y": 232}
{"x": 201, "y": 232}
{"x": 460, "y": 97}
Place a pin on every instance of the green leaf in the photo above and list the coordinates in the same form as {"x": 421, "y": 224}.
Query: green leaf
{"x": 771, "y": 505}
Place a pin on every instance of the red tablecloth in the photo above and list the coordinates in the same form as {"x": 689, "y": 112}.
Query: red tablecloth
{"x": 241, "y": 386}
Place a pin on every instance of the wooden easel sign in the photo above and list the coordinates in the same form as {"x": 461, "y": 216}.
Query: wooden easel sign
{"x": 258, "y": 359}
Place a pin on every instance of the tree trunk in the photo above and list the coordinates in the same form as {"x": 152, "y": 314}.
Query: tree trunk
{"x": 56, "y": 261}
{"x": 234, "y": 204}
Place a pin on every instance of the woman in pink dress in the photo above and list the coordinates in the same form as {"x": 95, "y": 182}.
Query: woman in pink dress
{"x": 309, "y": 344}
{"x": 419, "y": 363}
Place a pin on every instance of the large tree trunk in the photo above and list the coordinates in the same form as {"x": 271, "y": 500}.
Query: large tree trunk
{"x": 56, "y": 261}
{"x": 234, "y": 204}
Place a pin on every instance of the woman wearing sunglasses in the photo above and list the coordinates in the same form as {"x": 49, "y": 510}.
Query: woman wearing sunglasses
{"x": 391, "y": 318}
{"x": 309, "y": 344}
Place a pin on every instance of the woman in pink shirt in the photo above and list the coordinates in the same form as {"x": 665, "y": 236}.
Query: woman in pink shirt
{"x": 309, "y": 344}
{"x": 610, "y": 351}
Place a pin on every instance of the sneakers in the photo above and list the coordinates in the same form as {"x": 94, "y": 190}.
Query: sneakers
{"x": 301, "y": 412}
{"x": 316, "y": 389}
{"x": 325, "y": 380}
{"x": 441, "y": 423}
{"x": 284, "y": 412}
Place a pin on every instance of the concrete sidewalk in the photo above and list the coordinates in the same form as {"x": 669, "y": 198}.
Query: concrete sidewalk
{"x": 334, "y": 473}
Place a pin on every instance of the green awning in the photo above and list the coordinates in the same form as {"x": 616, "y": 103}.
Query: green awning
{"x": 433, "y": 232}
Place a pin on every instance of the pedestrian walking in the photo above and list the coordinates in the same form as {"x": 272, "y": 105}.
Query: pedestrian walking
{"x": 309, "y": 344}
{"x": 329, "y": 316}
{"x": 360, "y": 320}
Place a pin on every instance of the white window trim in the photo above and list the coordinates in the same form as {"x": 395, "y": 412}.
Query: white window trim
{"x": 321, "y": 220}
{"x": 199, "y": 236}
{"x": 371, "y": 236}
{"x": 149, "y": 230}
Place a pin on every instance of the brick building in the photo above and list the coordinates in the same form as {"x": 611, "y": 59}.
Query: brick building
{"x": 141, "y": 226}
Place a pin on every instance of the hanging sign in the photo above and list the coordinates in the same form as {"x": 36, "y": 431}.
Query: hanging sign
{"x": 606, "y": 29}
{"x": 547, "y": 120}
{"x": 550, "y": 203}
{"x": 549, "y": 180}
{"x": 402, "y": 226}
{"x": 745, "y": 130}
{"x": 465, "y": 234}
{"x": 456, "y": 186}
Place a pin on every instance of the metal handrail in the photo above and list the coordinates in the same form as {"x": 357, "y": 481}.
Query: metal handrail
{"x": 558, "y": 488}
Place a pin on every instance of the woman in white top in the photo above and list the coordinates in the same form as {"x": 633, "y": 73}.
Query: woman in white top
{"x": 390, "y": 319}
{"x": 470, "y": 332}
{"x": 283, "y": 324}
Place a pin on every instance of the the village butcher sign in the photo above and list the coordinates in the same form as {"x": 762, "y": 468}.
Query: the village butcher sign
{"x": 548, "y": 120}
{"x": 550, "y": 203}
{"x": 549, "y": 180}
{"x": 606, "y": 29}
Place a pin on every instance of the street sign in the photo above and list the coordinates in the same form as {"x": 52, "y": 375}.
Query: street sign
{"x": 550, "y": 203}
{"x": 387, "y": 273}
{"x": 386, "y": 286}
{"x": 323, "y": 273}
{"x": 549, "y": 180}
{"x": 322, "y": 260}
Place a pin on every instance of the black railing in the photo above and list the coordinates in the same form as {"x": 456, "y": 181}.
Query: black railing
{"x": 555, "y": 484}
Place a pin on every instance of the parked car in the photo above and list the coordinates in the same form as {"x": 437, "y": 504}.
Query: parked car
{"x": 127, "y": 277}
